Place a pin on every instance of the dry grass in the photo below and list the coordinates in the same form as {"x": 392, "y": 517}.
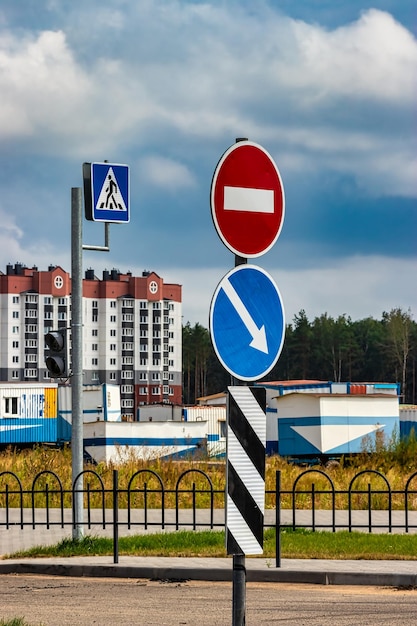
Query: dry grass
{"x": 183, "y": 480}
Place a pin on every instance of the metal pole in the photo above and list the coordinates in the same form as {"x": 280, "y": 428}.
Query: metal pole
{"x": 77, "y": 360}
{"x": 239, "y": 563}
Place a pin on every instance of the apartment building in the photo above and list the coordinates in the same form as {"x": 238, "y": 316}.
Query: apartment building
{"x": 132, "y": 330}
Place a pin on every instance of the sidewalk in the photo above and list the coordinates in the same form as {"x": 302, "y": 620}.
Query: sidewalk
{"x": 259, "y": 569}
{"x": 324, "y": 572}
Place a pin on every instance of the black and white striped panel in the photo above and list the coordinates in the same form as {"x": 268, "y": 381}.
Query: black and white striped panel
{"x": 246, "y": 439}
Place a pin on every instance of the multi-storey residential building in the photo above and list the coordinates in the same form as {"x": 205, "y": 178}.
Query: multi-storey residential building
{"x": 132, "y": 333}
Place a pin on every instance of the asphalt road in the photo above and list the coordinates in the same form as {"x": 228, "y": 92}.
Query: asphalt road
{"x": 59, "y": 601}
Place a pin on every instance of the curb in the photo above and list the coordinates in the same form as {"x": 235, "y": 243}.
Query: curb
{"x": 210, "y": 574}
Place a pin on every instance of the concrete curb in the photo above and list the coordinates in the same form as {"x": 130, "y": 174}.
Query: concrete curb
{"x": 212, "y": 573}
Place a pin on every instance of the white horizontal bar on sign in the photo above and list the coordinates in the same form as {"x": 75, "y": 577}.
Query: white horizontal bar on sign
{"x": 248, "y": 199}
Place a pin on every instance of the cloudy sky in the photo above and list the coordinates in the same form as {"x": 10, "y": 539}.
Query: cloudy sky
{"x": 166, "y": 86}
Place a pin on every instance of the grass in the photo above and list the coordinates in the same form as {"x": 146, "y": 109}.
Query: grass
{"x": 298, "y": 544}
{"x": 14, "y": 621}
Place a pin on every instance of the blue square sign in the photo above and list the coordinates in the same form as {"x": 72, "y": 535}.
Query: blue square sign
{"x": 106, "y": 192}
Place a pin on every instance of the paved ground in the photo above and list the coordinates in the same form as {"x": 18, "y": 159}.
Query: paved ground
{"x": 67, "y": 601}
{"x": 327, "y": 572}
{"x": 389, "y": 573}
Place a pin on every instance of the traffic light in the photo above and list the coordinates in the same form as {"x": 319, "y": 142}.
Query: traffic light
{"x": 56, "y": 357}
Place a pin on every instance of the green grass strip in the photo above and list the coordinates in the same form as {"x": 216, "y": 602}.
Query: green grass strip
{"x": 298, "y": 544}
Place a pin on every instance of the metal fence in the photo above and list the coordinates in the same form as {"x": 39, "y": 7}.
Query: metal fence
{"x": 312, "y": 502}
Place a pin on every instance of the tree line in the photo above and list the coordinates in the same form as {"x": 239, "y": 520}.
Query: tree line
{"x": 325, "y": 348}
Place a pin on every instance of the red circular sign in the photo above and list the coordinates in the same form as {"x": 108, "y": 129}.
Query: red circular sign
{"x": 247, "y": 199}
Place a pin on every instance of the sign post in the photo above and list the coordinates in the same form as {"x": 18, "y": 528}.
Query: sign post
{"x": 106, "y": 199}
{"x": 247, "y": 329}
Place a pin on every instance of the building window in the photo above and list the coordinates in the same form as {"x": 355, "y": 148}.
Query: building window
{"x": 156, "y": 305}
{"x": 32, "y": 298}
{"x": 47, "y": 315}
{"x": 128, "y": 303}
{"x": 94, "y": 361}
{"x": 61, "y": 301}
{"x": 15, "y": 315}
{"x": 113, "y": 346}
{"x": 112, "y": 376}
{"x": 143, "y": 376}
{"x": 113, "y": 362}
{"x": 143, "y": 361}
{"x": 127, "y": 389}
{"x": 127, "y": 345}
{"x": 171, "y": 377}
{"x": 94, "y": 317}
{"x": 15, "y": 330}
{"x": 127, "y": 403}
{"x": 112, "y": 332}
{"x": 47, "y": 300}
{"x": 171, "y": 363}
{"x": 15, "y": 299}
{"x": 143, "y": 319}
{"x": 94, "y": 347}
{"x": 126, "y": 374}
{"x": 143, "y": 347}
{"x": 143, "y": 333}
{"x": 31, "y": 328}
{"x": 62, "y": 315}
{"x": 156, "y": 362}
{"x": 94, "y": 376}
{"x": 94, "y": 332}
{"x": 15, "y": 374}
{"x": 112, "y": 304}
{"x": 113, "y": 319}
{"x": 156, "y": 347}
{"x": 10, "y": 406}
{"x": 127, "y": 317}
{"x": 31, "y": 343}
{"x": 127, "y": 360}
{"x": 165, "y": 389}
{"x": 94, "y": 304}
{"x": 143, "y": 304}
{"x": 15, "y": 359}
{"x": 15, "y": 344}
{"x": 31, "y": 358}
{"x": 143, "y": 391}
{"x": 155, "y": 391}
{"x": 31, "y": 373}
{"x": 156, "y": 376}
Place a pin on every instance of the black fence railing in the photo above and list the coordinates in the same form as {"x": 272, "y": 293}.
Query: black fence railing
{"x": 314, "y": 502}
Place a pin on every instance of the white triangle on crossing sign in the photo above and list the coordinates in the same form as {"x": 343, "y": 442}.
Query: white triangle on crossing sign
{"x": 110, "y": 198}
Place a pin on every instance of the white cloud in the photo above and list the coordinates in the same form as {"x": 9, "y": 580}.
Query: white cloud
{"x": 168, "y": 70}
{"x": 14, "y": 248}
{"x": 166, "y": 173}
{"x": 374, "y": 57}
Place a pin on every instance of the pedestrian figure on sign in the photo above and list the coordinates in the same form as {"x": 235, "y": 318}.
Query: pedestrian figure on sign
{"x": 111, "y": 189}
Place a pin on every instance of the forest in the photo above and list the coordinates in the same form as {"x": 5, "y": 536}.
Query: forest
{"x": 325, "y": 348}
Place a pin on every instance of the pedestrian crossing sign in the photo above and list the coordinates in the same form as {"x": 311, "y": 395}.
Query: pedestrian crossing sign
{"x": 106, "y": 192}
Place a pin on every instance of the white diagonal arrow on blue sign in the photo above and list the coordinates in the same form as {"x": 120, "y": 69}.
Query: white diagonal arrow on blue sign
{"x": 258, "y": 335}
{"x": 247, "y": 322}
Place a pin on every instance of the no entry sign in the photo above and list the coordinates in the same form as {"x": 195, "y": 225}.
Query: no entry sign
{"x": 247, "y": 199}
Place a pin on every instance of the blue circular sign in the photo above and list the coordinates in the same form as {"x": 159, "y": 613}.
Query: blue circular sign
{"x": 247, "y": 322}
